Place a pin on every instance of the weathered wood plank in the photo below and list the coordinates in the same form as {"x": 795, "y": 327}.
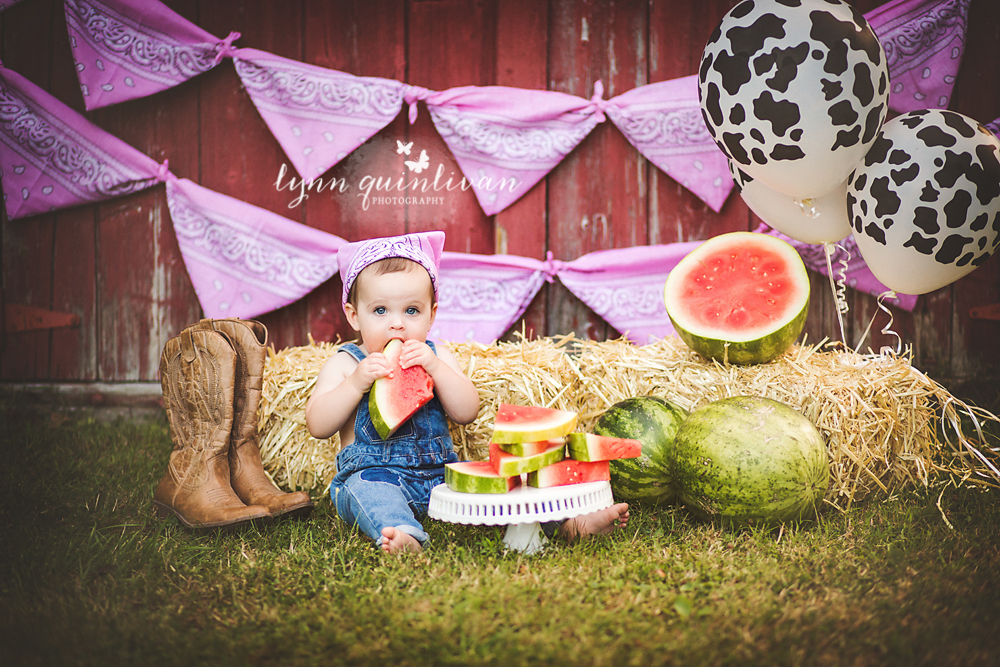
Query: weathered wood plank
{"x": 365, "y": 39}
{"x": 597, "y": 195}
{"x": 521, "y": 229}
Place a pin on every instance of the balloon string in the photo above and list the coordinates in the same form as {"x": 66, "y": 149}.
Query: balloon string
{"x": 838, "y": 285}
{"x": 887, "y": 329}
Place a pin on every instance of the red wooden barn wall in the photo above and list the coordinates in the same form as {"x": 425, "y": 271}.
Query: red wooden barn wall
{"x": 117, "y": 265}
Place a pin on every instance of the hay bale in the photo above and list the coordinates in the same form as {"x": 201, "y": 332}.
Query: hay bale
{"x": 881, "y": 418}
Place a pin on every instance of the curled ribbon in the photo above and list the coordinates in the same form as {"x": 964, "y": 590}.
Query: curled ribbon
{"x": 226, "y": 48}
{"x": 887, "y": 329}
{"x": 412, "y": 95}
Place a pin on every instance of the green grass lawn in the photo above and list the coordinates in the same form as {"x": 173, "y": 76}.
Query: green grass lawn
{"x": 89, "y": 577}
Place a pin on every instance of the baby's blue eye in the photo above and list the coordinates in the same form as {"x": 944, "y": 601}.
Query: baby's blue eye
{"x": 380, "y": 310}
{"x": 412, "y": 310}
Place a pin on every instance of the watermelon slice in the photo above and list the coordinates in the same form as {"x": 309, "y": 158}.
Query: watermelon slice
{"x": 530, "y": 448}
{"x": 526, "y": 423}
{"x": 740, "y": 298}
{"x": 593, "y": 447}
{"x": 477, "y": 477}
{"x": 569, "y": 471}
{"x": 393, "y": 400}
{"x": 508, "y": 465}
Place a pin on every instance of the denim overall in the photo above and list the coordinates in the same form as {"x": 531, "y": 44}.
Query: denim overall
{"x": 383, "y": 483}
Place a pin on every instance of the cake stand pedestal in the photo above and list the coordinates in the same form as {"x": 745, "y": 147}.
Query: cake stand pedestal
{"x": 522, "y": 510}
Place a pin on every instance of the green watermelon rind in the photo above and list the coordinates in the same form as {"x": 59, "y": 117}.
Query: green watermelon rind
{"x": 457, "y": 479}
{"x": 522, "y": 448}
{"x": 647, "y": 478}
{"x": 761, "y": 348}
{"x": 517, "y": 465}
{"x": 760, "y": 351}
{"x": 582, "y": 447}
{"x": 750, "y": 460}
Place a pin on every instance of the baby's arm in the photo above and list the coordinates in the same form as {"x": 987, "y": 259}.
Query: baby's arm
{"x": 458, "y": 396}
{"x": 340, "y": 385}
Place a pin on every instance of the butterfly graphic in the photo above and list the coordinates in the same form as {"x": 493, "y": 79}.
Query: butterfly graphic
{"x": 403, "y": 148}
{"x": 420, "y": 164}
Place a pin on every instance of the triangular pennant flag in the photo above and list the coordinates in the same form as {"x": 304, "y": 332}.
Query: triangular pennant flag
{"x": 664, "y": 122}
{"x": 52, "y": 157}
{"x": 625, "y": 286}
{"x": 481, "y": 296}
{"x": 923, "y": 41}
{"x": 318, "y": 115}
{"x": 847, "y": 263}
{"x": 126, "y": 49}
{"x": 507, "y": 139}
{"x": 244, "y": 260}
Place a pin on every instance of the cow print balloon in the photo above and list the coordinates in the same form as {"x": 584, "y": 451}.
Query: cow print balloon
{"x": 794, "y": 91}
{"x": 925, "y": 202}
{"x": 817, "y": 220}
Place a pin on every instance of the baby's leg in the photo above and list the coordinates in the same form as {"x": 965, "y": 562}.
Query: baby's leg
{"x": 374, "y": 501}
{"x": 601, "y": 522}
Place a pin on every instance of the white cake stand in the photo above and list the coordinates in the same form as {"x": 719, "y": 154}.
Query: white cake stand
{"x": 522, "y": 510}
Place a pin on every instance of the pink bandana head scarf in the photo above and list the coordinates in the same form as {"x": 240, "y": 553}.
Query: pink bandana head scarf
{"x": 424, "y": 248}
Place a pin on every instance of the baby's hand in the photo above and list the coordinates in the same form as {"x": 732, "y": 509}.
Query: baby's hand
{"x": 418, "y": 353}
{"x": 369, "y": 369}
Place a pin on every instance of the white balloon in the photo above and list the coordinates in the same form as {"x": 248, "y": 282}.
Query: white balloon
{"x": 794, "y": 95}
{"x": 811, "y": 220}
{"x": 925, "y": 201}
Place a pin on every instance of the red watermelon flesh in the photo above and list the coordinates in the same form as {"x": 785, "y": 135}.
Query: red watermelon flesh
{"x": 507, "y": 465}
{"x": 569, "y": 471}
{"x": 477, "y": 477}
{"x": 527, "y": 423}
{"x": 592, "y": 447}
{"x": 393, "y": 400}
{"x": 530, "y": 448}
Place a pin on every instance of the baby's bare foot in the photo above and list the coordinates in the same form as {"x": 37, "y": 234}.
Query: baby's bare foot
{"x": 601, "y": 522}
{"x": 395, "y": 540}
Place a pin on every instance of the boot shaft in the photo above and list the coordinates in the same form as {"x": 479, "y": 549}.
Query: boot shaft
{"x": 197, "y": 376}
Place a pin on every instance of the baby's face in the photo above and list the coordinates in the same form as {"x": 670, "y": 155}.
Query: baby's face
{"x": 393, "y": 305}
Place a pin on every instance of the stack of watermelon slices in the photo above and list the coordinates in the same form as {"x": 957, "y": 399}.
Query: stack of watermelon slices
{"x": 538, "y": 446}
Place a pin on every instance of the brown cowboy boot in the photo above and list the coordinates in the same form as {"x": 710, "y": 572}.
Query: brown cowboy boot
{"x": 197, "y": 373}
{"x": 251, "y": 483}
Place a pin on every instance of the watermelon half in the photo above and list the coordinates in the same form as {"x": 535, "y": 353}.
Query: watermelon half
{"x": 477, "y": 477}
{"x": 393, "y": 400}
{"x": 748, "y": 459}
{"x": 569, "y": 472}
{"x": 654, "y": 423}
{"x": 739, "y": 298}
{"x": 528, "y": 423}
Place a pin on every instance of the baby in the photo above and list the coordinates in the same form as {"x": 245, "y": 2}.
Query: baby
{"x": 383, "y": 486}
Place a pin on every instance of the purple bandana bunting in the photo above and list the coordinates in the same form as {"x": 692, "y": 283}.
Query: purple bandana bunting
{"x": 664, "y": 122}
{"x": 923, "y": 41}
{"x": 481, "y": 296}
{"x": 244, "y": 260}
{"x": 126, "y": 49}
{"x": 52, "y": 157}
{"x": 625, "y": 286}
{"x": 318, "y": 115}
{"x": 507, "y": 139}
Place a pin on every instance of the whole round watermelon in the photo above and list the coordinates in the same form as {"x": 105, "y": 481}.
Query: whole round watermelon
{"x": 748, "y": 459}
{"x": 653, "y": 422}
